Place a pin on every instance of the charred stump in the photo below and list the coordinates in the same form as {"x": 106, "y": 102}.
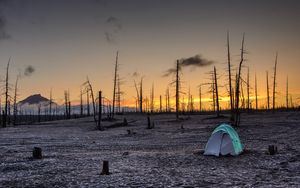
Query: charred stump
{"x": 37, "y": 153}
{"x": 272, "y": 149}
{"x": 125, "y": 123}
{"x": 105, "y": 168}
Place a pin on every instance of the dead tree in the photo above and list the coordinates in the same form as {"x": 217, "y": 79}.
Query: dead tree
{"x": 177, "y": 89}
{"x": 66, "y": 94}
{"x": 256, "y": 101}
{"x": 39, "y": 113}
{"x": 50, "y": 104}
{"x": 287, "y": 92}
{"x": 15, "y": 110}
{"x": 1, "y": 113}
{"x": 274, "y": 82}
{"x": 200, "y": 99}
{"x": 192, "y": 104}
{"x": 152, "y": 99}
{"x": 217, "y": 94}
{"x": 137, "y": 95}
{"x": 268, "y": 94}
{"x": 213, "y": 93}
{"x": 69, "y": 106}
{"x": 189, "y": 101}
{"x": 100, "y": 110}
{"x": 167, "y": 100}
{"x": 141, "y": 96}
{"x": 243, "y": 96}
{"x": 88, "y": 102}
{"x": 6, "y": 96}
{"x": 248, "y": 91}
{"x": 118, "y": 94}
{"x": 115, "y": 84}
{"x": 81, "y": 103}
{"x": 89, "y": 89}
{"x": 237, "y": 91}
{"x": 160, "y": 104}
{"x": 229, "y": 74}
{"x": 8, "y": 111}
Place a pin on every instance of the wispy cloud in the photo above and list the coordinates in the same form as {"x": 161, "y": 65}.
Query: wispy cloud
{"x": 114, "y": 27}
{"x": 3, "y": 21}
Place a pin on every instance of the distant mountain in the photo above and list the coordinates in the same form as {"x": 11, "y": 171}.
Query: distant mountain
{"x": 34, "y": 100}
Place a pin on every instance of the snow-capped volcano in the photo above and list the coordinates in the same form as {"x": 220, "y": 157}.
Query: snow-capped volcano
{"x": 34, "y": 100}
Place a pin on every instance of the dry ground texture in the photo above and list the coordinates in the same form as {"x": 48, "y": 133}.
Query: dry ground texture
{"x": 166, "y": 156}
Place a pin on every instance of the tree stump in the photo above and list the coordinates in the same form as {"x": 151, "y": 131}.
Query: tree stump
{"x": 37, "y": 153}
{"x": 105, "y": 168}
{"x": 149, "y": 122}
{"x": 125, "y": 123}
{"x": 272, "y": 149}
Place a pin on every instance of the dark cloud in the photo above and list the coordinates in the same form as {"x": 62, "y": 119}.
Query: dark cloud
{"x": 195, "y": 61}
{"x": 29, "y": 70}
{"x": 135, "y": 74}
{"x": 109, "y": 37}
{"x": 170, "y": 71}
{"x": 3, "y": 33}
{"x": 114, "y": 26}
{"x": 115, "y": 22}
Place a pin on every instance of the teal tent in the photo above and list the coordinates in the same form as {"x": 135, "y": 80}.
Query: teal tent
{"x": 224, "y": 140}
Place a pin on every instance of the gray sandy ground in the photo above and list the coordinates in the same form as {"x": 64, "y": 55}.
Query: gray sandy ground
{"x": 166, "y": 156}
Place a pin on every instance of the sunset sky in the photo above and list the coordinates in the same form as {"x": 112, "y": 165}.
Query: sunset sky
{"x": 67, "y": 40}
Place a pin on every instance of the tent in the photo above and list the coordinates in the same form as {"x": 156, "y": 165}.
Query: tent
{"x": 224, "y": 140}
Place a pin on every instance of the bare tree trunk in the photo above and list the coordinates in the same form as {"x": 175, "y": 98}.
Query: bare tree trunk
{"x": 189, "y": 101}
{"x": 141, "y": 96}
{"x": 137, "y": 95}
{"x": 160, "y": 104}
{"x": 100, "y": 110}
{"x": 90, "y": 88}
{"x": 152, "y": 99}
{"x": 81, "y": 103}
{"x": 15, "y": 101}
{"x": 50, "y": 104}
{"x": 256, "y": 101}
{"x": 237, "y": 95}
{"x": 39, "y": 113}
{"x": 115, "y": 81}
{"x": 213, "y": 92}
{"x": 243, "y": 96}
{"x": 177, "y": 90}
{"x": 287, "y": 93}
{"x": 200, "y": 99}
{"x": 6, "y": 96}
{"x": 1, "y": 113}
{"x": 168, "y": 100}
{"x": 119, "y": 95}
{"x": 192, "y": 104}
{"x": 274, "y": 83}
{"x": 248, "y": 91}
{"x": 66, "y": 104}
{"x": 88, "y": 103}
{"x": 9, "y": 115}
{"x": 268, "y": 94}
{"x": 69, "y": 106}
{"x": 217, "y": 94}
{"x": 229, "y": 75}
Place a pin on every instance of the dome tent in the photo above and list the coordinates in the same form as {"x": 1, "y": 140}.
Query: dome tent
{"x": 224, "y": 140}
